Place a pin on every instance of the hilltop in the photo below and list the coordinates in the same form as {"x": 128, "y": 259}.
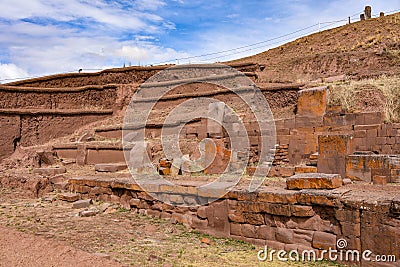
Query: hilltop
{"x": 360, "y": 50}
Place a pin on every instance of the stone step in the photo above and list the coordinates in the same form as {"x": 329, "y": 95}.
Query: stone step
{"x": 110, "y": 167}
{"x": 314, "y": 181}
{"x": 305, "y": 169}
{"x": 50, "y": 171}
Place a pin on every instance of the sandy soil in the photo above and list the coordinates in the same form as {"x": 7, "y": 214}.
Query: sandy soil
{"x": 34, "y": 232}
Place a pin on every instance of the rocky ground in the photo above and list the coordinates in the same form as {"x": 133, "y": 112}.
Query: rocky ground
{"x": 50, "y": 232}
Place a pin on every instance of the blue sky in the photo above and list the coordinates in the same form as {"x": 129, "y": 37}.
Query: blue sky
{"x": 41, "y": 37}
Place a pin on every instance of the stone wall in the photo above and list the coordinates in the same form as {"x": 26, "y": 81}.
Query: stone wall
{"x": 12, "y": 97}
{"x": 278, "y": 218}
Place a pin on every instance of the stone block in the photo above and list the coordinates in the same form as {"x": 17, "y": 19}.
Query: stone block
{"x": 322, "y": 240}
{"x": 312, "y": 102}
{"x": 110, "y": 167}
{"x": 332, "y": 151}
{"x": 219, "y": 163}
{"x": 70, "y": 197}
{"x": 236, "y": 229}
{"x": 249, "y": 230}
{"x": 284, "y": 235}
{"x": 50, "y": 171}
{"x": 302, "y": 211}
{"x": 81, "y": 204}
{"x": 216, "y": 113}
{"x": 379, "y": 180}
{"x": 266, "y": 232}
{"x": 253, "y": 218}
{"x": 314, "y": 181}
{"x": 305, "y": 169}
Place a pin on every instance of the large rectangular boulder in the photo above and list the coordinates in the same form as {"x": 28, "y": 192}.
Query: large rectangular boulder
{"x": 314, "y": 181}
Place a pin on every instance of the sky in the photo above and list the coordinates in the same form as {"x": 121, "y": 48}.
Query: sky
{"x": 43, "y": 37}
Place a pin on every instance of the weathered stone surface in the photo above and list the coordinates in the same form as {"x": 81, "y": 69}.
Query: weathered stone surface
{"x": 70, "y": 197}
{"x": 249, "y": 230}
{"x": 89, "y": 213}
{"x": 306, "y": 169}
{"x": 110, "y": 167}
{"x": 312, "y": 102}
{"x": 332, "y": 152}
{"x": 302, "y": 211}
{"x": 322, "y": 240}
{"x": 51, "y": 171}
{"x": 266, "y": 232}
{"x": 379, "y": 180}
{"x": 314, "y": 181}
{"x": 236, "y": 229}
{"x": 81, "y": 204}
{"x": 284, "y": 235}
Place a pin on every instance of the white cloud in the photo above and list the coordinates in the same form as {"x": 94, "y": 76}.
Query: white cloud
{"x": 94, "y": 34}
{"x": 8, "y": 72}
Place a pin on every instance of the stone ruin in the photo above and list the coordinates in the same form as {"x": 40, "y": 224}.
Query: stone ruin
{"x": 342, "y": 169}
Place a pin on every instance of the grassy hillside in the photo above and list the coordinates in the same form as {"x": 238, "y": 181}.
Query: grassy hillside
{"x": 362, "y": 49}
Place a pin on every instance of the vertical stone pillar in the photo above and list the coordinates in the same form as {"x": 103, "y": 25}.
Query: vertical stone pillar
{"x": 368, "y": 12}
{"x": 333, "y": 150}
{"x": 311, "y": 108}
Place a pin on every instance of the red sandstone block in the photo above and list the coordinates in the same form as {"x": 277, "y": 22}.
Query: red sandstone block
{"x": 253, "y": 218}
{"x": 379, "y": 180}
{"x": 305, "y": 169}
{"x": 312, "y": 102}
{"x": 314, "y": 181}
{"x": 266, "y": 232}
{"x": 366, "y": 127}
{"x": 284, "y": 131}
{"x": 284, "y": 235}
{"x": 111, "y": 167}
{"x": 372, "y": 133}
{"x": 289, "y": 123}
{"x": 360, "y": 134}
{"x": 249, "y": 230}
{"x": 381, "y": 140}
{"x": 322, "y": 240}
{"x": 308, "y": 122}
{"x": 302, "y": 211}
{"x": 360, "y": 144}
{"x": 279, "y": 124}
{"x": 70, "y": 197}
{"x": 236, "y": 229}
{"x": 390, "y": 140}
{"x": 283, "y": 139}
{"x": 50, "y": 171}
{"x": 373, "y": 118}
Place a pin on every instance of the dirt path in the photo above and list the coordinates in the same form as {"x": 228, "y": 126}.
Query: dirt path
{"x": 21, "y": 249}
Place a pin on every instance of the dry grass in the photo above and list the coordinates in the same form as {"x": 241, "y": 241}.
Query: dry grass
{"x": 380, "y": 94}
{"x": 130, "y": 238}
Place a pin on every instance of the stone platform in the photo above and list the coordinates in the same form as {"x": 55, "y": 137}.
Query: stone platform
{"x": 273, "y": 216}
